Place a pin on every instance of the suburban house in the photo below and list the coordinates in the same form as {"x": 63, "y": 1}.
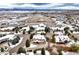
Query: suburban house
{"x": 61, "y": 38}
{"x": 38, "y": 38}
{"x": 7, "y": 29}
{"x": 27, "y": 28}
{"x": 7, "y": 37}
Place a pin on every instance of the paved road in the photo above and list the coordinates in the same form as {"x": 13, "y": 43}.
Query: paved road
{"x": 15, "y": 49}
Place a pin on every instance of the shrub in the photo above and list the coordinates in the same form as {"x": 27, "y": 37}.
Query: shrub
{"x": 16, "y": 29}
{"x": 2, "y": 49}
{"x": 34, "y": 51}
{"x": 24, "y": 31}
{"x": 74, "y": 48}
{"x": 60, "y": 51}
{"x": 53, "y": 38}
{"x": 66, "y": 28}
{"x": 47, "y": 29}
{"x": 43, "y": 51}
{"x": 27, "y": 43}
{"x": 21, "y": 50}
{"x": 31, "y": 36}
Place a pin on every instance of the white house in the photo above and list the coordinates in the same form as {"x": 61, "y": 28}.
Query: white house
{"x": 39, "y": 38}
{"x": 27, "y": 28}
{"x": 42, "y": 25}
{"x": 57, "y": 28}
{"x": 7, "y": 28}
{"x": 7, "y": 37}
{"x": 40, "y": 29}
{"x": 59, "y": 37}
{"x": 35, "y": 26}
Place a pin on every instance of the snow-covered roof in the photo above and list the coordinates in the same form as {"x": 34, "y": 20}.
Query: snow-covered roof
{"x": 75, "y": 32}
{"x": 61, "y": 38}
{"x": 7, "y": 28}
{"x": 38, "y": 36}
{"x": 35, "y": 26}
{"x": 42, "y": 25}
{"x": 39, "y": 32}
{"x": 55, "y": 28}
{"x": 7, "y": 37}
{"x": 27, "y": 28}
{"x": 59, "y": 23}
{"x": 5, "y": 32}
{"x": 32, "y": 46}
{"x": 58, "y": 33}
{"x": 40, "y": 28}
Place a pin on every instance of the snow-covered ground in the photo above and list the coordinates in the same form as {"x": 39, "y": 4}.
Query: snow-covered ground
{"x": 39, "y": 52}
{"x": 70, "y": 53}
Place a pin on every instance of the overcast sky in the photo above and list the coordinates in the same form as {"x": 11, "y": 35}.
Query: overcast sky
{"x": 41, "y": 5}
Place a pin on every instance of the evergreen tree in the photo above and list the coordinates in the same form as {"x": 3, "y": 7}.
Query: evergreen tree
{"x": 47, "y": 29}
{"x": 59, "y": 51}
{"x": 16, "y": 29}
{"x": 53, "y": 38}
{"x": 43, "y": 51}
{"x": 24, "y": 31}
{"x": 2, "y": 49}
{"x": 34, "y": 51}
{"x": 31, "y": 36}
{"x": 21, "y": 50}
{"x": 27, "y": 43}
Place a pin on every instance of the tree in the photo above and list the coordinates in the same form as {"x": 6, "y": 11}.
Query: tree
{"x": 71, "y": 31}
{"x": 31, "y": 29}
{"x": 29, "y": 32}
{"x": 27, "y": 43}
{"x": 66, "y": 31}
{"x": 47, "y": 29}
{"x": 59, "y": 51}
{"x": 53, "y": 38}
{"x": 16, "y": 29}
{"x": 74, "y": 48}
{"x": 24, "y": 31}
{"x": 31, "y": 36}
{"x": 16, "y": 40}
{"x": 34, "y": 51}
{"x": 21, "y": 50}
{"x": 75, "y": 39}
{"x": 2, "y": 49}
{"x": 43, "y": 51}
{"x": 18, "y": 37}
{"x": 66, "y": 28}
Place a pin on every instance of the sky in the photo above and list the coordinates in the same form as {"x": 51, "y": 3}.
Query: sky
{"x": 41, "y": 5}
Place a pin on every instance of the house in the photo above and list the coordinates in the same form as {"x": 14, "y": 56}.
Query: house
{"x": 41, "y": 32}
{"x": 35, "y": 26}
{"x": 42, "y": 25}
{"x": 26, "y": 28}
{"x": 7, "y": 29}
{"x": 40, "y": 29}
{"x": 7, "y": 37}
{"x": 39, "y": 38}
{"x": 61, "y": 38}
{"x": 57, "y": 28}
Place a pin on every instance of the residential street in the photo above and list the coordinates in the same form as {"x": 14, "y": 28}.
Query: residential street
{"x": 15, "y": 49}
